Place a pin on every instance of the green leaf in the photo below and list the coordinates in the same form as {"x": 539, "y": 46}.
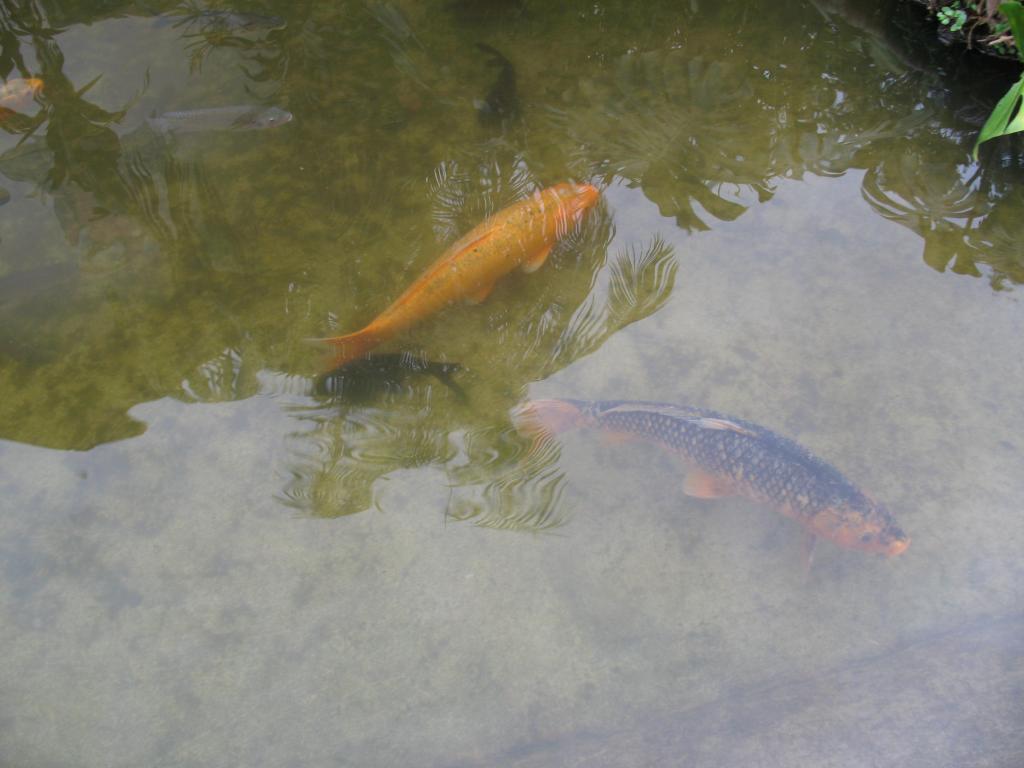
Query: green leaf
{"x": 999, "y": 122}
{"x": 1014, "y": 13}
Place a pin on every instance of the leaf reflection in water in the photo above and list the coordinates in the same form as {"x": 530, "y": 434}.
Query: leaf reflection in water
{"x": 341, "y": 457}
{"x": 454, "y": 189}
{"x": 674, "y": 124}
{"x": 923, "y": 197}
{"x": 640, "y": 282}
{"x": 496, "y": 479}
{"x": 504, "y": 483}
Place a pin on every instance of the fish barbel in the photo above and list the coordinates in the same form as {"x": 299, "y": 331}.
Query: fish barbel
{"x": 725, "y": 456}
{"x": 521, "y": 235}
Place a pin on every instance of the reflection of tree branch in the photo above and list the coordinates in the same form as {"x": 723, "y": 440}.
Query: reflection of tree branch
{"x": 496, "y": 481}
{"x": 346, "y": 452}
{"x": 206, "y": 29}
{"x": 514, "y": 490}
{"x": 640, "y": 282}
{"x": 957, "y": 220}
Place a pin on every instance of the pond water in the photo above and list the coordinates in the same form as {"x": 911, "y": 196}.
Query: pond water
{"x": 211, "y": 558}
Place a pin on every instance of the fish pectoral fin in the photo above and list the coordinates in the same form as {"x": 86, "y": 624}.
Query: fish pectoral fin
{"x": 478, "y": 295}
{"x": 616, "y": 438}
{"x": 808, "y": 550}
{"x": 533, "y": 263}
{"x": 702, "y": 485}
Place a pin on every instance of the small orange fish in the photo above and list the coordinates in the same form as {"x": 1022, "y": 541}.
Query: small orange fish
{"x": 521, "y": 235}
{"x": 18, "y": 93}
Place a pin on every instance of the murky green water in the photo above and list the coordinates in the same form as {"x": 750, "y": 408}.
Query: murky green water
{"x": 206, "y": 562}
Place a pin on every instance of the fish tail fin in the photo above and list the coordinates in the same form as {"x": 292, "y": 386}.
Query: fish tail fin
{"x": 545, "y": 418}
{"x": 341, "y": 350}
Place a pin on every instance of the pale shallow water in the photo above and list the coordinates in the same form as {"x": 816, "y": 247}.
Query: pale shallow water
{"x": 206, "y": 564}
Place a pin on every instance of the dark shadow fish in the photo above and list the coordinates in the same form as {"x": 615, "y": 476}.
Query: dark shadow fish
{"x": 237, "y": 118}
{"x": 5, "y": 196}
{"x": 725, "y": 456}
{"x": 372, "y": 376}
{"x": 501, "y": 104}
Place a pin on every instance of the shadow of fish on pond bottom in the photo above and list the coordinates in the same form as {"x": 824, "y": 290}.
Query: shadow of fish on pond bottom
{"x": 369, "y": 377}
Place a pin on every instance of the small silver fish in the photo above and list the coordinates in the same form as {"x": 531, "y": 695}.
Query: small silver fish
{"x": 241, "y": 118}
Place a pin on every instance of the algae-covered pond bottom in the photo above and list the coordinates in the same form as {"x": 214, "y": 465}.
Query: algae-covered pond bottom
{"x": 207, "y": 559}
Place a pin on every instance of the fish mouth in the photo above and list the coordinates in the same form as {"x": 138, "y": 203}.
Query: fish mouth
{"x": 897, "y": 547}
{"x": 576, "y": 197}
{"x": 587, "y": 195}
{"x": 543, "y": 418}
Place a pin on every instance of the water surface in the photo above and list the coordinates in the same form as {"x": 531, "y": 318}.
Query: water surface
{"x": 209, "y": 561}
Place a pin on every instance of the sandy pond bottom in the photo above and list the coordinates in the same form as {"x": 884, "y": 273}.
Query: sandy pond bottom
{"x": 161, "y": 606}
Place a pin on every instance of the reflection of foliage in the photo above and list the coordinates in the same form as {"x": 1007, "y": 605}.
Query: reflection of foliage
{"x": 673, "y": 123}
{"x": 457, "y": 209}
{"x": 206, "y": 30}
{"x": 347, "y": 451}
{"x": 496, "y": 482}
{"x": 959, "y": 223}
{"x": 177, "y": 201}
{"x": 678, "y": 104}
{"x": 505, "y": 483}
{"x": 996, "y": 241}
{"x": 78, "y": 133}
{"x": 640, "y": 282}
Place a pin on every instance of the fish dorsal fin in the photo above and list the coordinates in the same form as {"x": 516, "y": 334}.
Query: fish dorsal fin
{"x": 702, "y": 485}
{"x": 535, "y": 262}
{"x": 707, "y": 422}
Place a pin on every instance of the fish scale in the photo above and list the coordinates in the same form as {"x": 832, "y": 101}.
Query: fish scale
{"x": 519, "y": 236}
{"x": 729, "y": 456}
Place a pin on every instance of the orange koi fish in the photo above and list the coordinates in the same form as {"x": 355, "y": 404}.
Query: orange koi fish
{"x": 16, "y": 93}
{"x": 725, "y": 456}
{"x": 521, "y": 235}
